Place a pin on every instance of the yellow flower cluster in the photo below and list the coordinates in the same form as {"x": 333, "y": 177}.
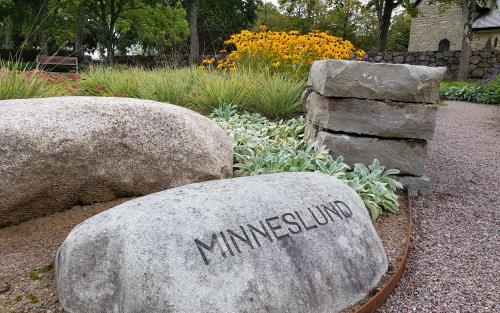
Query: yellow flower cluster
{"x": 286, "y": 50}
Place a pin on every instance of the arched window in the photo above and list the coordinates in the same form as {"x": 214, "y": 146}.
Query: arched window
{"x": 444, "y": 45}
{"x": 489, "y": 45}
{"x": 495, "y": 45}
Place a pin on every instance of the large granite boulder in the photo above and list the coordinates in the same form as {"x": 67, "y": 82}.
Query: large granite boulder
{"x": 372, "y": 117}
{"x": 377, "y": 81}
{"x": 57, "y": 152}
{"x": 289, "y": 242}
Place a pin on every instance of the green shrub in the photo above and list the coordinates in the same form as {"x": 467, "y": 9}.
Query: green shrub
{"x": 475, "y": 91}
{"x": 262, "y": 146}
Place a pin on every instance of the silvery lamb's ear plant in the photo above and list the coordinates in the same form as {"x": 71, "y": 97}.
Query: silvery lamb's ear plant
{"x": 262, "y": 146}
{"x": 376, "y": 187}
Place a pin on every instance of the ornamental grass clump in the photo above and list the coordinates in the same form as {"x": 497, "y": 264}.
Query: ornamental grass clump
{"x": 272, "y": 95}
{"x": 18, "y": 83}
{"x": 290, "y": 52}
{"x": 262, "y": 147}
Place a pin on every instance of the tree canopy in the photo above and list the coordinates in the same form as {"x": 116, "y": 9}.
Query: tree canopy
{"x": 158, "y": 27}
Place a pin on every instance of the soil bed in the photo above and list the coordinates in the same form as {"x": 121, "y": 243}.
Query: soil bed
{"x": 28, "y": 251}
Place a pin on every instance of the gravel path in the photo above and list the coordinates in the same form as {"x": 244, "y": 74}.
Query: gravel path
{"x": 455, "y": 261}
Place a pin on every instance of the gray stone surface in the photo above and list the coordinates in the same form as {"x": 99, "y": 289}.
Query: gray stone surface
{"x": 311, "y": 130}
{"x": 355, "y": 79}
{"x": 58, "y": 152}
{"x": 372, "y": 117}
{"x": 434, "y": 24}
{"x": 406, "y": 155}
{"x": 416, "y": 185}
{"x": 147, "y": 255}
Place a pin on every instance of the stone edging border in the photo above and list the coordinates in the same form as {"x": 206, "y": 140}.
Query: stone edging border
{"x": 379, "y": 298}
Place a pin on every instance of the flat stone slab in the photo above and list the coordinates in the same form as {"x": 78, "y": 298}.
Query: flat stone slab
{"x": 416, "y": 185}
{"x": 372, "y": 117}
{"x": 58, "y": 152}
{"x": 376, "y": 81}
{"x": 288, "y": 242}
{"x": 406, "y": 155}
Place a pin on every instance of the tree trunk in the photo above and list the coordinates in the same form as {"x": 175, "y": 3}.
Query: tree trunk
{"x": 463, "y": 65}
{"x": 104, "y": 25}
{"x": 384, "y": 25}
{"x": 110, "y": 49}
{"x": 79, "y": 31}
{"x": 110, "y": 42}
{"x": 194, "y": 50}
{"x": 108, "y": 28}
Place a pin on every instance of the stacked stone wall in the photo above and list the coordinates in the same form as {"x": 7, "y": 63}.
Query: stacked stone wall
{"x": 483, "y": 64}
{"x": 365, "y": 111}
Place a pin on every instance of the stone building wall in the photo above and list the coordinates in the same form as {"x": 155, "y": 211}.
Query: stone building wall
{"x": 431, "y": 26}
{"x": 481, "y": 39}
{"x": 483, "y": 64}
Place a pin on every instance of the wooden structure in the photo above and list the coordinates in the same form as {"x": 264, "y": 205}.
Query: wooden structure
{"x": 43, "y": 60}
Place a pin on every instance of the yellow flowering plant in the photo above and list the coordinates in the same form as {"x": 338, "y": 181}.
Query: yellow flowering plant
{"x": 290, "y": 52}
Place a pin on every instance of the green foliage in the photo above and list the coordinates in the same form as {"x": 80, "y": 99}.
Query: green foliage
{"x": 218, "y": 19}
{"x": 153, "y": 28}
{"x": 349, "y": 19}
{"x": 46, "y": 268}
{"x": 375, "y": 186}
{"x": 171, "y": 85}
{"x": 153, "y": 25}
{"x": 105, "y": 81}
{"x": 33, "y": 298}
{"x": 399, "y": 34}
{"x": 35, "y": 274}
{"x": 487, "y": 92}
{"x": 262, "y": 146}
{"x": 273, "y": 95}
{"x": 268, "y": 14}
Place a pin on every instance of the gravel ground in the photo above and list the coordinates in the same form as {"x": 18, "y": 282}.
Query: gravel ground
{"x": 27, "y": 253}
{"x": 455, "y": 262}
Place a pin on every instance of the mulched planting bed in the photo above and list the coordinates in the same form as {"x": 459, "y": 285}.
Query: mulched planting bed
{"x": 28, "y": 251}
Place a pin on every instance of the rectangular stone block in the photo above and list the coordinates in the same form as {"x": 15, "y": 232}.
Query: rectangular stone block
{"x": 376, "y": 81}
{"x": 372, "y": 117}
{"x": 416, "y": 185}
{"x": 406, "y": 155}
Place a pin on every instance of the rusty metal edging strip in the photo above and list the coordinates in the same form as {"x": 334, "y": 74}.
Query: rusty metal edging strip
{"x": 376, "y": 301}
